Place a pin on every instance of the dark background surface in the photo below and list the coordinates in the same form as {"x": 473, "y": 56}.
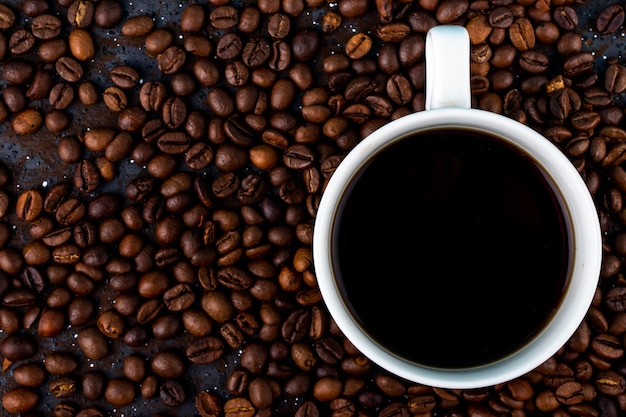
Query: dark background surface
{"x": 34, "y": 163}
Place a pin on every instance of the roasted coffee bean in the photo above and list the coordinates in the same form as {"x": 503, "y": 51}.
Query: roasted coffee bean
{"x": 158, "y": 40}
{"x": 69, "y": 69}
{"x": 80, "y": 13}
{"x": 533, "y": 62}
{"x": 93, "y": 343}
{"x": 208, "y": 404}
{"x": 136, "y": 26}
{"x": 173, "y": 142}
{"x": 610, "y": 383}
{"x": 124, "y": 76}
{"x": 167, "y": 364}
{"x": 565, "y": 17}
{"x": 358, "y": 46}
{"x": 152, "y": 96}
{"x": 501, "y": 17}
{"x": 610, "y": 19}
{"x": 171, "y": 60}
{"x": 615, "y": 78}
{"x": 230, "y": 46}
{"x": 108, "y": 13}
{"x": 577, "y": 64}
{"x": 119, "y": 392}
{"x": 29, "y": 375}
{"x": 61, "y": 96}
{"x": 239, "y": 407}
{"x": 179, "y": 297}
{"x": 40, "y": 85}
{"x": 27, "y": 122}
{"x": 21, "y": 41}
{"x": 60, "y": 363}
{"x": 18, "y": 71}
{"x": 18, "y": 346}
{"x": 298, "y": 156}
{"x": 81, "y": 44}
{"x": 34, "y": 279}
{"x": 522, "y": 34}
{"x": 174, "y": 112}
{"x": 183, "y": 84}
{"x": 172, "y": 393}
{"x": 224, "y": 17}
{"x": 192, "y": 18}
{"x": 21, "y": 399}
{"x": 7, "y": 17}
{"x": 29, "y": 205}
{"x": 166, "y": 326}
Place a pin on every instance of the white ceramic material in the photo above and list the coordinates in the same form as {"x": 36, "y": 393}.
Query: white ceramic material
{"x": 448, "y": 105}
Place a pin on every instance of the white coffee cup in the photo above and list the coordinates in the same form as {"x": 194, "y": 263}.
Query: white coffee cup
{"x": 448, "y": 106}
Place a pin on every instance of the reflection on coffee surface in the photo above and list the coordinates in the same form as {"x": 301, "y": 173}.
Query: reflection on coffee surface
{"x": 452, "y": 248}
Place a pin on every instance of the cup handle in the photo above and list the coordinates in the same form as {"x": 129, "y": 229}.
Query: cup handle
{"x": 448, "y": 67}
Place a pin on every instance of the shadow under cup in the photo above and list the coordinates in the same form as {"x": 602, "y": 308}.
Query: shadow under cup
{"x": 453, "y": 256}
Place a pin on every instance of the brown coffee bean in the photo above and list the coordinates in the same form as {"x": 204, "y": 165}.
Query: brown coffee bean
{"x": 450, "y": 10}
{"x": 29, "y": 375}
{"x": 533, "y": 62}
{"x": 327, "y": 389}
{"x": 27, "y": 122}
{"x": 565, "y": 17}
{"x": 69, "y": 69}
{"x": 392, "y": 32}
{"x": 607, "y": 346}
{"x": 124, "y": 76}
{"x": 208, "y": 404}
{"x": 40, "y": 85}
{"x": 610, "y": 383}
{"x": 610, "y": 19}
{"x": 135, "y": 367}
{"x": 92, "y": 343}
{"x": 60, "y": 363}
{"x": 29, "y": 205}
{"x": 171, "y": 60}
{"x": 21, "y": 41}
{"x": 254, "y": 357}
{"x": 358, "y": 46}
{"x": 224, "y": 17}
{"x": 81, "y": 44}
{"x": 80, "y": 310}
{"x": 108, "y": 13}
{"x": 18, "y": 346}
{"x": 7, "y": 17}
{"x": 522, "y": 34}
{"x": 205, "y": 350}
{"x": 46, "y": 26}
{"x": 353, "y": 8}
{"x": 167, "y": 364}
{"x": 172, "y": 393}
{"x": 80, "y": 13}
{"x": 18, "y": 71}
{"x": 239, "y": 407}
{"x": 192, "y": 19}
{"x": 577, "y": 64}
{"x": 119, "y": 392}
{"x": 174, "y": 112}
{"x": 137, "y": 26}
{"x": 570, "y": 393}
{"x": 19, "y": 400}
{"x": 501, "y": 17}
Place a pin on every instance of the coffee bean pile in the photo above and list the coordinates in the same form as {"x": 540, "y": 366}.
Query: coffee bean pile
{"x": 165, "y": 268}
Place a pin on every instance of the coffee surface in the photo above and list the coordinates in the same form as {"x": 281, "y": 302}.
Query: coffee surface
{"x": 452, "y": 249}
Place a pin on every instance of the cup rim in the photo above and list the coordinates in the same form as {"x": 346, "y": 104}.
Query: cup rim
{"x": 586, "y": 247}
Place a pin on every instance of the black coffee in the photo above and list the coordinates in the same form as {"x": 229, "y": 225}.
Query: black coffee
{"x": 452, "y": 248}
